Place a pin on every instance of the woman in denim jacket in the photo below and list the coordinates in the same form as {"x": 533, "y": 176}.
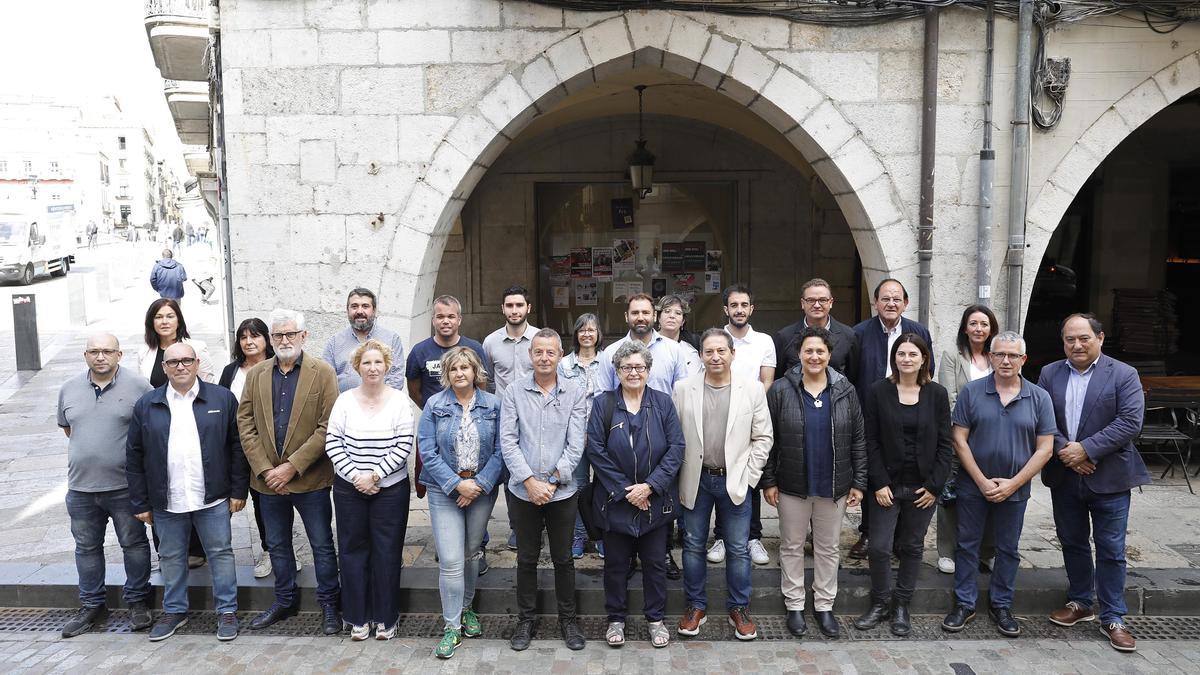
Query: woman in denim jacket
{"x": 462, "y": 464}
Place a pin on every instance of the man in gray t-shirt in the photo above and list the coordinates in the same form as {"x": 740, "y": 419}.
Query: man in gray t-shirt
{"x": 94, "y": 408}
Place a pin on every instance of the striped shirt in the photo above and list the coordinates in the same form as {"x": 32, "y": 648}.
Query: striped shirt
{"x": 378, "y": 441}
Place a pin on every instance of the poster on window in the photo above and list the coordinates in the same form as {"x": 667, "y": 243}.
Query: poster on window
{"x": 685, "y": 286}
{"x": 560, "y": 270}
{"x": 587, "y": 292}
{"x": 712, "y": 282}
{"x": 624, "y": 256}
{"x": 581, "y": 263}
{"x": 562, "y": 297}
{"x": 693, "y": 256}
{"x": 622, "y": 213}
{"x": 658, "y": 288}
{"x": 602, "y": 263}
{"x": 672, "y": 257}
{"x": 623, "y": 290}
{"x": 713, "y": 260}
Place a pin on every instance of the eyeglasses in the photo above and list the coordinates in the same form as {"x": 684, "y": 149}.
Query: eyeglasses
{"x": 185, "y": 362}
{"x": 1005, "y": 356}
{"x": 817, "y": 301}
{"x": 890, "y": 301}
{"x": 632, "y": 369}
{"x": 289, "y": 336}
{"x": 97, "y": 352}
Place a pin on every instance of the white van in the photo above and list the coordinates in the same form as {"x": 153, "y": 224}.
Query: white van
{"x": 30, "y": 246}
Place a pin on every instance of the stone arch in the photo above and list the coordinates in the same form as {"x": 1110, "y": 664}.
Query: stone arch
{"x": 1112, "y": 127}
{"x": 779, "y": 94}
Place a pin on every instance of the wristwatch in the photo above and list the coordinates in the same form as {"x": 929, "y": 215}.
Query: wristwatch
{"x": 553, "y": 480}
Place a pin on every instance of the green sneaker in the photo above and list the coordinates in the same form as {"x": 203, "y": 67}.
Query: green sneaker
{"x": 470, "y": 624}
{"x": 450, "y": 641}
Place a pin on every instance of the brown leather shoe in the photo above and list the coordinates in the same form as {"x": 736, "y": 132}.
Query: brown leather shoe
{"x": 693, "y": 618}
{"x": 1119, "y": 637}
{"x": 743, "y": 625}
{"x": 1071, "y": 614}
{"x": 859, "y": 550}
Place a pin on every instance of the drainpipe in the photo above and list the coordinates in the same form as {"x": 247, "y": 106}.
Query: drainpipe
{"x": 928, "y": 156}
{"x": 222, "y": 184}
{"x": 987, "y": 174}
{"x": 1018, "y": 189}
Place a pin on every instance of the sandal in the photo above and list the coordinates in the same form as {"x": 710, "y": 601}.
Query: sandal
{"x": 615, "y": 636}
{"x": 660, "y": 636}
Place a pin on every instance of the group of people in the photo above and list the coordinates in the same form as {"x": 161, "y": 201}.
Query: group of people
{"x": 611, "y": 445}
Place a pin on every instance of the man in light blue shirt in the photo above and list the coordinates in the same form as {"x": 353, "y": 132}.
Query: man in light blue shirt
{"x": 360, "y": 310}
{"x": 669, "y": 362}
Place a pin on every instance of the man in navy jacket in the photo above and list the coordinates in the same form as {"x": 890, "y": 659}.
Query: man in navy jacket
{"x": 1098, "y": 409}
{"x": 876, "y": 336}
{"x": 186, "y": 469}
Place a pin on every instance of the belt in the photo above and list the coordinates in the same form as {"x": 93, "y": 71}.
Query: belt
{"x": 714, "y": 471}
{"x": 466, "y": 474}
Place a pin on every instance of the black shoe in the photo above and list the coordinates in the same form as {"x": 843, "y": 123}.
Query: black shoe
{"x": 84, "y": 620}
{"x": 795, "y": 622}
{"x": 673, "y": 571}
{"x": 522, "y": 635}
{"x": 227, "y": 626}
{"x": 483, "y": 566}
{"x": 827, "y": 624}
{"x": 139, "y": 616}
{"x": 331, "y": 623}
{"x": 1005, "y": 622}
{"x": 878, "y": 612}
{"x": 901, "y": 621}
{"x": 958, "y": 618}
{"x": 571, "y": 635}
{"x": 274, "y": 614}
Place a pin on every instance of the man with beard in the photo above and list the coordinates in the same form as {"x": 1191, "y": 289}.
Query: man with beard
{"x": 360, "y": 310}
{"x": 424, "y": 369}
{"x": 507, "y": 348}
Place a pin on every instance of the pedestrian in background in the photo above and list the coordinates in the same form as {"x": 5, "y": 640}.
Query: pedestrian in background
{"x": 168, "y": 276}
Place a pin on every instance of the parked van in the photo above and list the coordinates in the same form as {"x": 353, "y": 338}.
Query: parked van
{"x": 31, "y": 245}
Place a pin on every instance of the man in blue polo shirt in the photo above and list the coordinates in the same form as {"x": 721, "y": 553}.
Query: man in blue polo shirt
{"x": 1003, "y": 435}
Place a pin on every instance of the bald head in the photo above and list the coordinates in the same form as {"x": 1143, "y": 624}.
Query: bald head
{"x": 181, "y": 366}
{"x": 179, "y": 350}
{"x": 102, "y": 353}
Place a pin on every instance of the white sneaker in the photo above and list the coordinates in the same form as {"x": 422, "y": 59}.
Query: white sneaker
{"x": 946, "y": 565}
{"x": 360, "y": 633}
{"x": 262, "y": 568}
{"x": 382, "y": 633}
{"x": 758, "y": 552}
{"x": 716, "y": 552}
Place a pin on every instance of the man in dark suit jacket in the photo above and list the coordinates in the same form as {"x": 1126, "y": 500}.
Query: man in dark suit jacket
{"x": 816, "y": 299}
{"x": 1098, "y": 408}
{"x": 876, "y": 336}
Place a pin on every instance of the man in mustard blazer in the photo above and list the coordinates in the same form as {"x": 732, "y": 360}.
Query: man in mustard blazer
{"x": 282, "y": 420}
{"x": 727, "y": 431}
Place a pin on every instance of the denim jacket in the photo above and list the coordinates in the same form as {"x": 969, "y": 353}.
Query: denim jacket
{"x": 435, "y": 441}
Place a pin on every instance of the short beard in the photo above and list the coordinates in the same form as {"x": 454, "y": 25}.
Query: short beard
{"x": 641, "y": 330}
{"x": 287, "y": 354}
{"x": 363, "y": 325}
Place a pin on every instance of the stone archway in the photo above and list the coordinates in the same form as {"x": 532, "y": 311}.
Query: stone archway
{"x": 1121, "y": 119}
{"x": 776, "y": 92}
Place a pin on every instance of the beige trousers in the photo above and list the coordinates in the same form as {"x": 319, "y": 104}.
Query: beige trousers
{"x": 795, "y": 515}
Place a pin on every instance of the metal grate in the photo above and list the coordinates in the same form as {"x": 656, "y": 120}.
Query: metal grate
{"x": 498, "y": 627}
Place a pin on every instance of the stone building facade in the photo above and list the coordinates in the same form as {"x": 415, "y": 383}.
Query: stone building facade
{"x": 379, "y": 142}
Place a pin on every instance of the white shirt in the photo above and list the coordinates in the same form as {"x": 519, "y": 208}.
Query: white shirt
{"x": 755, "y": 351}
{"x": 239, "y": 381}
{"x": 185, "y": 463}
{"x": 892, "y": 335}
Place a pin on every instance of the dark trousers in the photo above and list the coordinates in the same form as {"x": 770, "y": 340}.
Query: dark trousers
{"x": 1078, "y": 511}
{"x": 370, "y": 533}
{"x": 528, "y": 521}
{"x": 619, "y": 550}
{"x": 909, "y": 535}
{"x": 1007, "y": 518}
{"x": 755, "y": 496}
{"x": 317, "y": 513}
{"x": 262, "y": 530}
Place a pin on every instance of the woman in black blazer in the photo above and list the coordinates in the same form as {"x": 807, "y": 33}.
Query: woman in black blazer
{"x": 909, "y": 455}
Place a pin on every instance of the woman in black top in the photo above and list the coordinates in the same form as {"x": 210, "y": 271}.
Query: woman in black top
{"x": 909, "y": 454}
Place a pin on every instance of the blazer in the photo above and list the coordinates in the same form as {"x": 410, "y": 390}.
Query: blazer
{"x": 304, "y": 446}
{"x": 873, "y": 356}
{"x": 225, "y": 471}
{"x": 956, "y": 373}
{"x": 885, "y": 439}
{"x": 748, "y": 436}
{"x": 147, "y": 361}
{"x": 228, "y": 373}
{"x": 1113, "y": 408}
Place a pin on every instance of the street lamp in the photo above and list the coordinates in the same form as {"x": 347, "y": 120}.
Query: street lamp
{"x": 641, "y": 162}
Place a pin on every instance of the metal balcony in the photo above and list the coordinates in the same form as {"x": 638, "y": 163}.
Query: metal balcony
{"x": 178, "y": 32}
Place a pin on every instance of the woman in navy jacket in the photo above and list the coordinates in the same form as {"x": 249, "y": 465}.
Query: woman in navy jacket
{"x": 635, "y": 445}
{"x": 462, "y": 464}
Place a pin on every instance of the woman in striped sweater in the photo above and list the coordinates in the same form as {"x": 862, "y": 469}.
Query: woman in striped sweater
{"x": 370, "y": 437}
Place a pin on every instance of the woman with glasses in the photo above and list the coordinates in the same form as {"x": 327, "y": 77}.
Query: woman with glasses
{"x": 583, "y": 367}
{"x": 635, "y": 445}
{"x": 672, "y": 315}
{"x": 459, "y": 442}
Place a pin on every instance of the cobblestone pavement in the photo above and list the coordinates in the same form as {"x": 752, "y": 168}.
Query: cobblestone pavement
{"x": 95, "y": 653}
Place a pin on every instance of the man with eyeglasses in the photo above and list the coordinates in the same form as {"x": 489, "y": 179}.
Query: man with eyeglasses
{"x": 816, "y": 300}
{"x": 94, "y": 409}
{"x": 186, "y": 471}
{"x": 283, "y": 417}
{"x": 875, "y": 339}
{"x": 1098, "y": 410}
{"x": 361, "y": 306}
{"x": 1003, "y": 435}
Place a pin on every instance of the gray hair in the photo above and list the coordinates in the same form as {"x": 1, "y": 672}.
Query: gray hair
{"x": 546, "y": 334}
{"x": 632, "y": 348}
{"x": 1011, "y": 337}
{"x": 280, "y": 315}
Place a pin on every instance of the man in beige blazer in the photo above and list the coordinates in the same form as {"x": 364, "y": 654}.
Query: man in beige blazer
{"x": 282, "y": 420}
{"x": 727, "y": 430}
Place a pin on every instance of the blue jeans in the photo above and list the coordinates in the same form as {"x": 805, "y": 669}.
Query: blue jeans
{"x": 317, "y": 513}
{"x": 370, "y": 534}
{"x": 1078, "y": 510}
{"x": 90, "y": 513}
{"x": 734, "y": 522}
{"x": 174, "y": 531}
{"x": 580, "y": 477}
{"x": 457, "y": 535}
{"x": 1007, "y": 518}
